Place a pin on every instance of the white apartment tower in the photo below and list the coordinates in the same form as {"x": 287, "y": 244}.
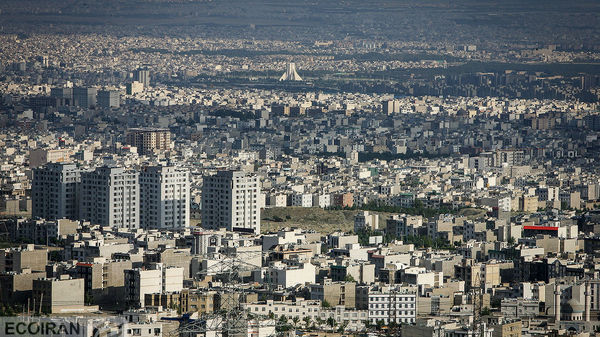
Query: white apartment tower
{"x": 165, "y": 197}
{"x": 230, "y": 200}
{"x": 54, "y": 191}
{"x": 110, "y": 196}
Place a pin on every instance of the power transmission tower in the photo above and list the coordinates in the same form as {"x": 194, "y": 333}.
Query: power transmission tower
{"x": 478, "y": 327}
{"x": 232, "y": 319}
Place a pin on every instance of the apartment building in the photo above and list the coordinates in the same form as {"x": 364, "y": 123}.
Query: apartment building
{"x": 334, "y": 293}
{"x": 39, "y": 157}
{"x": 110, "y": 196}
{"x": 139, "y": 282}
{"x": 392, "y": 305}
{"x": 102, "y": 278}
{"x": 165, "y": 197}
{"x": 300, "y": 308}
{"x": 187, "y": 300}
{"x": 54, "y": 191}
{"x": 85, "y": 97}
{"x": 302, "y": 200}
{"x": 62, "y": 295}
{"x": 149, "y": 140}
{"x": 40, "y": 230}
{"x": 108, "y": 99}
{"x": 17, "y": 287}
{"x": 230, "y": 200}
{"x": 366, "y": 221}
{"x": 21, "y": 258}
{"x": 404, "y": 225}
{"x": 287, "y": 274}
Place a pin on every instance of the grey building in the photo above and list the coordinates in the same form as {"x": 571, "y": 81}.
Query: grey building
{"x": 165, "y": 193}
{"x": 108, "y": 99}
{"x": 520, "y": 308}
{"x": 54, "y": 191}
{"x": 62, "y": 93}
{"x": 142, "y": 76}
{"x": 230, "y": 200}
{"x": 84, "y": 97}
{"x": 110, "y": 196}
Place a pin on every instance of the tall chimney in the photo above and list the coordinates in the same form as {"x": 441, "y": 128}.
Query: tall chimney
{"x": 588, "y": 300}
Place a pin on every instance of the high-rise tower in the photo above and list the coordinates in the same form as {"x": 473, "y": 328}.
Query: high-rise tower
{"x": 230, "y": 200}
{"x": 54, "y": 191}
{"x": 165, "y": 197}
{"x": 110, "y": 196}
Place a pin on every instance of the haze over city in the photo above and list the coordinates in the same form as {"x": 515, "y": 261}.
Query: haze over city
{"x": 210, "y": 168}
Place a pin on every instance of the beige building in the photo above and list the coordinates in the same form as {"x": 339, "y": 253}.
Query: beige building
{"x": 334, "y": 293}
{"x": 528, "y": 204}
{"x": 197, "y": 301}
{"x": 139, "y": 282}
{"x": 361, "y": 272}
{"x": 508, "y": 329}
{"x": 474, "y": 274}
{"x": 62, "y": 295}
{"x": 39, "y": 157}
{"x": 187, "y": 300}
{"x": 16, "y": 287}
{"x": 149, "y": 140}
{"x": 104, "y": 280}
{"x": 25, "y": 257}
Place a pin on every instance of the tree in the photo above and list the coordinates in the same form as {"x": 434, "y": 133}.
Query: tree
{"x": 295, "y": 320}
{"x": 349, "y": 278}
{"x": 283, "y": 326}
{"x": 88, "y": 299}
{"x": 331, "y": 322}
{"x": 7, "y": 311}
{"x": 325, "y": 304}
{"x": 271, "y": 315}
{"x": 485, "y": 311}
{"x": 306, "y": 320}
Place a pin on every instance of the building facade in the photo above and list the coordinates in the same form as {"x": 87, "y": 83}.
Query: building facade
{"x": 149, "y": 140}
{"x": 54, "y": 191}
{"x": 84, "y": 97}
{"x": 392, "y": 305}
{"x": 108, "y": 99}
{"x": 165, "y": 193}
{"x": 110, "y": 196}
{"x": 230, "y": 200}
{"x": 139, "y": 282}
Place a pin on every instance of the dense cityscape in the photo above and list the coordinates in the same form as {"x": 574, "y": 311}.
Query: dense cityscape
{"x": 299, "y": 168}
